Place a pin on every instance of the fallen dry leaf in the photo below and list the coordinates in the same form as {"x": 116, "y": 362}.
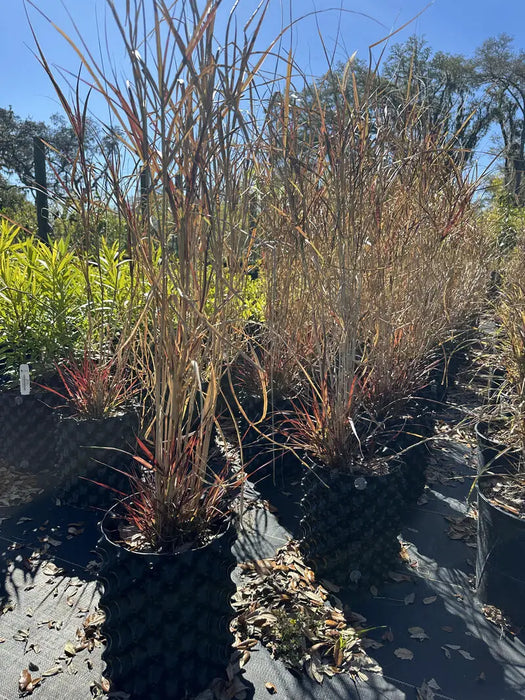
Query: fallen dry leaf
{"x": 270, "y": 688}
{"x": 404, "y": 654}
{"x": 69, "y": 648}
{"x": 397, "y": 577}
{"x": 418, "y": 633}
{"x": 26, "y": 683}
{"x": 466, "y": 655}
{"x": 74, "y": 530}
{"x": 425, "y": 692}
{"x": 21, "y": 635}
{"x": 332, "y": 587}
{"x": 51, "y": 569}
{"x": 338, "y": 653}
{"x": 371, "y": 644}
{"x": 497, "y": 617}
{"x": 312, "y": 669}
{"x": 8, "y": 607}
{"x": 24, "y": 680}
{"x": 281, "y": 604}
{"x": 53, "y": 671}
{"x": 431, "y": 599}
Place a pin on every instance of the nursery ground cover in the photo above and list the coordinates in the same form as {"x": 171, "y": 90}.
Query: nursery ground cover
{"x": 431, "y": 637}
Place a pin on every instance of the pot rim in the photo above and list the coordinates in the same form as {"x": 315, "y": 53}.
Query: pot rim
{"x": 110, "y": 513}
{"x": 479, "y": 482}
{"x": 395, "y": 460}
{"x": 65, "y": 412}
{"x": 502, "y": 511}
{"x": 484, "y": 441}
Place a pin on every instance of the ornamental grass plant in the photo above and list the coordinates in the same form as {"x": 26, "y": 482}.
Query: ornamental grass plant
{"x": 184, "y": 123}
{"x": 96, "y": 388}
{"x": 378, "y": 258}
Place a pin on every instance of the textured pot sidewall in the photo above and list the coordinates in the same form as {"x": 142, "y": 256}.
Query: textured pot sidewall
{"x": 411, "y": 442}
{"x": 79, "y": 463}
{"x": 28, "y": 429}
{"x": 500, "y": 569}
{"x": 167, "y": 616}
{"x": 350, "y": 532}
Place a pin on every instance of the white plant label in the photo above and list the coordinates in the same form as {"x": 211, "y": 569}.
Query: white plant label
{"x": 25, "y": 383}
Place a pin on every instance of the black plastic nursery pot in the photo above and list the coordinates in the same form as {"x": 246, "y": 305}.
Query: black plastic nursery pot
{"x": 350, "y": 524}
{"x": 436, "y": 389}
{"x": 167, "y": 615}
{"x": 28, "y": 430}
{"x": 447, "y": 359}
{"x": 83, "y": 457}
{"x": 495, "y": 382}
{"x": 264, "y": 453}
{"x": 409, "y": 437}
{"x": 500, "y": 563}
{"x": 492, "y": 454}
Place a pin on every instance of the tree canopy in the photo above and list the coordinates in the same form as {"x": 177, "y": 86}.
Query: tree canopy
{"x": 468, "y": 99}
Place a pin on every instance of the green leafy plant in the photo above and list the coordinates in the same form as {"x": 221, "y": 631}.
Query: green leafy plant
{"x": 112, "y": 290}
{"x": 290, "y": 643}
{"x": 42, "y": 299}
{"x": 19, "y": 340}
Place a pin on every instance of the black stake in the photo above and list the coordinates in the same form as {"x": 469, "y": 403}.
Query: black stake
{"x": 42, "y": 210}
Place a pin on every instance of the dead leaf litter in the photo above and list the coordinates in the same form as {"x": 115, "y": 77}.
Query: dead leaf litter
{"x": 280, "y": 604}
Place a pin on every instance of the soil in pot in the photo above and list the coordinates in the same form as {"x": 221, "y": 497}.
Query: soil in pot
{"x": 350, "y": 523}
{"x": 83, "y": 457}
{"x": 167, "y": 615}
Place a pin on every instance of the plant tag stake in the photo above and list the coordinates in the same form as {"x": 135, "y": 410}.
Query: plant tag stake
{"x": 25, "y": 384}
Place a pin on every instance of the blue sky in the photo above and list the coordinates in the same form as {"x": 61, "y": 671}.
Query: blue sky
{"x": 455, "y": 26}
